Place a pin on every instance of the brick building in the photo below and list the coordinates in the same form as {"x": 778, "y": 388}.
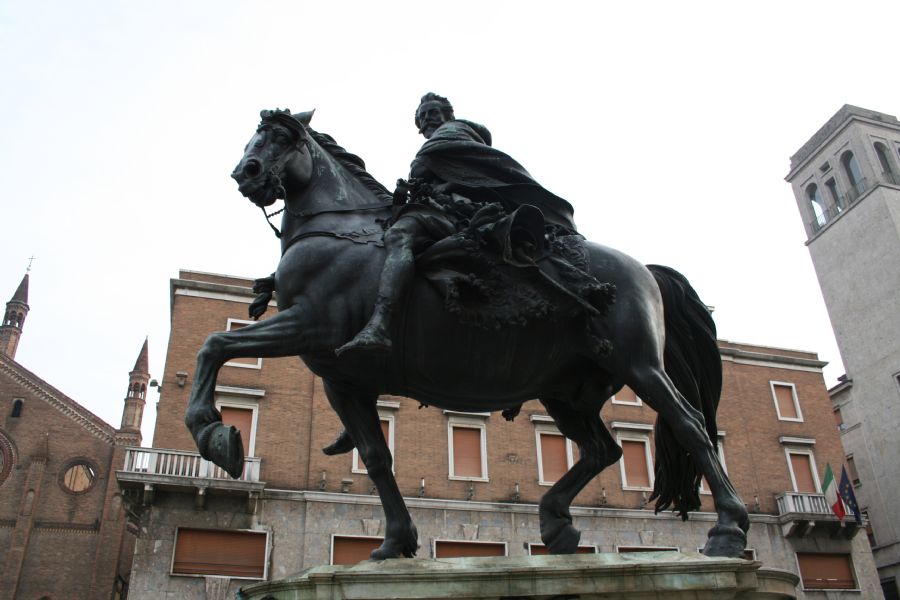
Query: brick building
{"x": 472, "y": 481}
{"x": 846, "y": 180}
{"x": 63, "y": 531}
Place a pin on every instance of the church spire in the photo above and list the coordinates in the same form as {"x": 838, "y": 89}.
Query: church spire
{"x": 135, "y": 398}
{"x": 14, "y": 319}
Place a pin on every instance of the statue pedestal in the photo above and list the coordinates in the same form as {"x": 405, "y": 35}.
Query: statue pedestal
{"x": 637, "y": 576}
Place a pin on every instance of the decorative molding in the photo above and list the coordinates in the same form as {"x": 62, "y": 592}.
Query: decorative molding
{"x": 43, "y": 390}
{"x": 631, "y": 426}
{"x": 240, "y": 391}
{"x": 796, "y": 441}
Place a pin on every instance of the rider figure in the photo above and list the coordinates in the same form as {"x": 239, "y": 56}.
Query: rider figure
{"x": 458, "y": 162}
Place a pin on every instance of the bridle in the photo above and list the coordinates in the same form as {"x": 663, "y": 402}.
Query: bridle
{"x": 273, "y": 175}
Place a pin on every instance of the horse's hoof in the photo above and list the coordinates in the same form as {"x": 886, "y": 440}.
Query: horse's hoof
{"x": 342, "y": 445}
{"x": 395, "y": 548}
{"x": 725, "y": 541}
{"x": 224, "y": 448}
{"x": 562, "y": 539}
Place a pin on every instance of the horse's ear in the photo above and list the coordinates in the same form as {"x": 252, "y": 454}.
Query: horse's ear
{"x": 305, "y": 117}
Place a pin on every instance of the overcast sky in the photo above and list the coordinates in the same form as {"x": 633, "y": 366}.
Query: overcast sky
{"x": 667, "y": 125}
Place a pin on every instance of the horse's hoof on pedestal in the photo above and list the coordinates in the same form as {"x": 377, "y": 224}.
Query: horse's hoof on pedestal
{"x": 563, "y": 541}
{"x": 724, "y": 541}
{"x": 394, "y": 548}
{"x": 225, "y": 448}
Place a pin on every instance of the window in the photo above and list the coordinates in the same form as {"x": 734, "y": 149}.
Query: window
{"x": 886, "y": 168}
{"x": 387, "y": 429}
{"x": 246, "y": 363}
{"x": 851, "y": 469}
{"x": 554, "y": 454}
{"x": 7, "y": 457}
{"x": 231, "y": 553}
{"x": 802, "y": 467}
{"x": 635, "y": 464}
{"x": 854, "y": 175}
{"x": 17, "y": 406}
{"x": 826, "y": 571}
{"x": 870, "y": 533}
{"x": 78, "y": 476}
{"x": 621, "y": 549}
{"x": 243, "y": 414}
{"x": 838, "y": 418}
{"x": 467, "y": 448}
{"x": 349, "y": 550}
{"x": 453, "y": 549}
{"x": 787, "y": 406}
{"x": 540, "y": 549}
{"x": 815, "y": 201}
{"x": 835, "y": 195}
{"x": 626, "y": 396}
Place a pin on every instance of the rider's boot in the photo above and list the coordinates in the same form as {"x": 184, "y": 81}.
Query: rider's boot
{"x": 375, "y": 336}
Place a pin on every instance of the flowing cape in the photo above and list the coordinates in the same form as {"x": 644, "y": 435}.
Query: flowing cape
{"x": 457, "y": 154}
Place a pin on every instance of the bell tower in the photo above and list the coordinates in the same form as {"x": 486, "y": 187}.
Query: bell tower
{"x": 14, "y": 320}
{"x": 135, "y": 398}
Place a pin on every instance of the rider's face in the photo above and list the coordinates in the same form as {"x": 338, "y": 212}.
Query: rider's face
{"x": 430, "y": 118}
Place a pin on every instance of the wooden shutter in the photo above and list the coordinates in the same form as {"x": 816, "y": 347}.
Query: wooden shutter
{"x": 242, "y": 418}
{"x": 351, "y": 550}
{"x": 218, "y": 552}
{"x": 443, "y": 549}
{"x": 784, "y": 396}
{"x": 467, "y": 452}
{"x": 802, "y": 467}
{"x": 635, "y": 456}
{"x": 826, "y": 571}
{"x": 554, "y": 462}
{"x": 540, "y": 550}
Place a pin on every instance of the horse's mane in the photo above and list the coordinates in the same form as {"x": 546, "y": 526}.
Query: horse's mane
{"x": 352, "y": 163}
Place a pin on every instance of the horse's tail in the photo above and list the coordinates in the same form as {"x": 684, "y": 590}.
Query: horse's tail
{"x": 694, "y": 365}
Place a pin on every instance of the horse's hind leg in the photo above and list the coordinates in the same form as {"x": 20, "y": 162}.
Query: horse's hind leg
{"x": 282, "y": 335}
{"x": 728, "y": 537}
{"x": 357, "y": 410}
{"x": 597, "y": 451}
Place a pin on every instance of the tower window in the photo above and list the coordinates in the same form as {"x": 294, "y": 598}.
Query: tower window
{"x": 818, "y": 206}
{"x": 18, "y": 404}
{"x": 886, "y": 168}
{"x": 831, "y": 184}
{"x": 854, "y": 175}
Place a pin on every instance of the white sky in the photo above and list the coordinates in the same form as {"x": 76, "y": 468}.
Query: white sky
{"x": 667, "y": 125}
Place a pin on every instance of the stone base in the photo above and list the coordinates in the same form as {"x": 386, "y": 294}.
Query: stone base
{"x": 631, "y": 576}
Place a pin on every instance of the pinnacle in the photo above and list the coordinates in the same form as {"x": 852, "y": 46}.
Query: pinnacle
{"x": 142, "y": 364}
{"x": 21, "y": 294}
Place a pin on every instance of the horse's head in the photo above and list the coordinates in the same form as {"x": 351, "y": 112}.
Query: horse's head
{"x": 275, "y": 157}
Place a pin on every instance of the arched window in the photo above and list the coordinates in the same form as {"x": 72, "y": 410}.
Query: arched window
{"x": 143, "y": 390}
{"x": 854, "y": 175}
{"x": 882, "y": 152}
{"x": 18, "y": 403}
{"x": 818, "y": 206}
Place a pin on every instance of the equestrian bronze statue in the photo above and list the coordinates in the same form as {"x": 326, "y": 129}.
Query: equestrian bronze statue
{"x": 498, "y": 301}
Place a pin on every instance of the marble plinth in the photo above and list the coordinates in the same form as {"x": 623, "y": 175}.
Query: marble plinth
{"x": 637, "y": 576}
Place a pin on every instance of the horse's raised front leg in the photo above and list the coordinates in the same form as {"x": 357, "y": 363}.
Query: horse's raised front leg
{"x": 357, "y": 410}
{"x": 279, "y": 336}
{"x": 597, "y": 451}
{"x": 728, "y": 537}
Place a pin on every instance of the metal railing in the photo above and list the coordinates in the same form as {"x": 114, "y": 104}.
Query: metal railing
{"x": 178, "y": 463}
{"x": 794, "y": 502}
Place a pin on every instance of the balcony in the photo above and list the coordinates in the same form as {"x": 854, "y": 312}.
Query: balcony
{"x": 800, "y": 514}
{"x": 147, "y": 470}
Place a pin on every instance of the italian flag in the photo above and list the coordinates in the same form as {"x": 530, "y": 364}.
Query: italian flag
{"x": 831, "y": 493}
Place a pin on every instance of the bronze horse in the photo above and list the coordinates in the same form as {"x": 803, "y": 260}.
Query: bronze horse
{"x": 326, "y": 284}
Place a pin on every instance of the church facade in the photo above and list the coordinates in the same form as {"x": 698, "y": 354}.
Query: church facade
{"x": 471, "y": 480}
{"x": 63, "y": 528}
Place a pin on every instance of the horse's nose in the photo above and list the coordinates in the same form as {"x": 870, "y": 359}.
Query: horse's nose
{"x": 252, "y": 168}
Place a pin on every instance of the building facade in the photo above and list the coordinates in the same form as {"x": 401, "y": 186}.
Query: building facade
{"x": 472, "y": 481}
{"x": 846, "y": 180}
{"x": 63, "y": 531}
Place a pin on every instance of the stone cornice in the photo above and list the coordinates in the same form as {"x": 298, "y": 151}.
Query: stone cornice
{"x": 55, "y": 398}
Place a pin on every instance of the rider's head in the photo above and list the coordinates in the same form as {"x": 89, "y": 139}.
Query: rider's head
{"x": 433, "y": 111}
